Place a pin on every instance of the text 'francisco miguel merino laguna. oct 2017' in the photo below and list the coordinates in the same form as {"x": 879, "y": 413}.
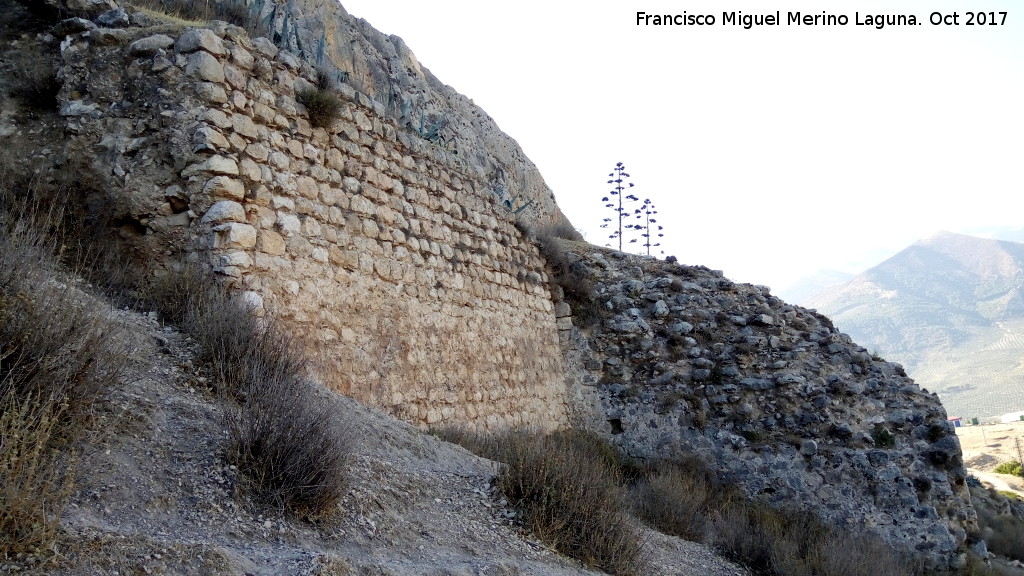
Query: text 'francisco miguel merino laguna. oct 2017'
{"x": 878, "y": 21}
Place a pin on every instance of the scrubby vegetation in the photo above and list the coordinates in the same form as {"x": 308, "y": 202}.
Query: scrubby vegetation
{"x": 1001, "y": 520}
{"x": 571, "y": 480}
{"x": 291, "y": 450}
{"x": 190, "y": 12}
{"x": 1012, "y": 467}
{"x": 59, "y": 356}
{"x": 569, "y": 493}
{"x": 566, "y": 271}
{"x": 322, "y": 104}
{"x": 685, "y": 499}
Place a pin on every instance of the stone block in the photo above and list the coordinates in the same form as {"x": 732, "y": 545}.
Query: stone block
{"x": 206, "y": 139}
{"x": 215, "y": 165}
{"x": 234, "y": 235}
{"x": 242, "y": 58}
{"x": 150, "y": 45}
{"x": 307, "y": 187}
{"x": 211, "y": 92}
{"x": 224, "y": 187}
{"x": 251, "y": 171}
{"x": 200, "y": 39}
{"x": 244, "y": 125}
{"x": 203, "y": 66}
{"x": 289, "y": 224}
{"x": 224, "y": 211}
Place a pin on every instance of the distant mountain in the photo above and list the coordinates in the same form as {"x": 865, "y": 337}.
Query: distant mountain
{"x": 807, "y": 287}
{"x": 950, "y": 308}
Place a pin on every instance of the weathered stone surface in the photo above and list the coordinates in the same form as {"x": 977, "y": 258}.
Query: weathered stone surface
{"x": 214, "y": 165}
{"x": 204, "y": 67}
{"x": 108, "y": 36}
{"x": 150, "y": 45}
{"x": 234, "y": 235}
{"x": 79, "y": 108}
{"x": 867, "y": 434}
{"x": 116, "y": 18}
{"x": 225, "y": 187}
{"x": 207, "y": 139}
{"x": 200, "y": 39}
{"x": 223, "y": 211}
{"x": 73, "y": 26}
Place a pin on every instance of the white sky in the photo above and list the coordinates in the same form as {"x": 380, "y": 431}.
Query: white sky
{"x": 770, "y": 153}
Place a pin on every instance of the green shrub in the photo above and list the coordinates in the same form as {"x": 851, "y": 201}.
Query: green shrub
{"x": 883, "y": 437}
{"x": 322, "y": 105}
{"x": 1012, "y": 467}
{"x": 567, "y": 492}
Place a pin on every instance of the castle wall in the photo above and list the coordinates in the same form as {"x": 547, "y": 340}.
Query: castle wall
{"x": 393, "y": 257}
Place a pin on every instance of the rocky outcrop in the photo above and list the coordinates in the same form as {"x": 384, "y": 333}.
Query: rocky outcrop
{"x": 682, "y": 360}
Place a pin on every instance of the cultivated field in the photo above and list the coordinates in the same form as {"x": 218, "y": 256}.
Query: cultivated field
{"x": 984, "y": 447}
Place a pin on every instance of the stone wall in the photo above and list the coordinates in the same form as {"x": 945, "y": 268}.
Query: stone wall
{"x": 393, "y": 256}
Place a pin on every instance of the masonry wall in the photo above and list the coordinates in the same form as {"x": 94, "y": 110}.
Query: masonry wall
{"x": 392, "y": 256}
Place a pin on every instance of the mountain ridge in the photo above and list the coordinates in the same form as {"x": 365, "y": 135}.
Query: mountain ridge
{"x": 933, "y": 306}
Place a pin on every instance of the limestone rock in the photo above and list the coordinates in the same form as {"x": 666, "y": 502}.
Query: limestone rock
{"x": 200, "y": 39}
{"x": 223, "y": 211}
{"x": 150, "y": 45}
{"x": 116, "y": 18}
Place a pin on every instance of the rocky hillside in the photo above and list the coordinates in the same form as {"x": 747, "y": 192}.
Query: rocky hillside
{"x": 665, "y": 359}
{"x": 680, "y": 360}
{"x": 951, "y": 309}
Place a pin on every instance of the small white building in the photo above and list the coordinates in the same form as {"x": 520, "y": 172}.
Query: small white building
{"x": 1012, "y": 417}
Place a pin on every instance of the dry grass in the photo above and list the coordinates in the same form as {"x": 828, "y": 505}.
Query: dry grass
{"x": 567, "y": 493}
{"x": 289, "y": 446}
{"x": 58, "y": 357}
{"x": 1001, "y": 520}
{"x": 170, "y": 18}
{"x": 198, "y": 13}
{"x": 36, "y": 479}
{"x": 685, "y": 499}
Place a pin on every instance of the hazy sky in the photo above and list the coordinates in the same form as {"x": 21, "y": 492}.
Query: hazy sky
{"x": 770, "y": 152}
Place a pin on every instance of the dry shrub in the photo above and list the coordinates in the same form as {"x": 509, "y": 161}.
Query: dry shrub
{"x": 36, "y": 480}
{"x": 33, "y": 78}
{"x": 677, "y": 501}
{"x": 567, "y": 271}
{"x": 53, "y": 344}
{"x": 58, "y": 357}
{"x": 288, "y": 444}
{"x": 323, "y": 106}
{"x": 567, "y": 494}
{"x": 1001, "y": 520}
{"x": 684, "y": 498}
{"x": 193, "y": 12}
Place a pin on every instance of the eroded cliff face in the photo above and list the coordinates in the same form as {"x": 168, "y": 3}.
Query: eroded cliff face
{"x": 680, "y": 360}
